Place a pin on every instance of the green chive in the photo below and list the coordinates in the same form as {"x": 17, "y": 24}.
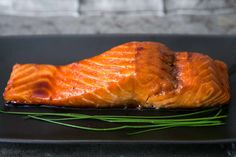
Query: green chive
{"x": 146, "y": 123}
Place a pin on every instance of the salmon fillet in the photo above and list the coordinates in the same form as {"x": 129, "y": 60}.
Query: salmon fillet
{"x": 144, "y": 74}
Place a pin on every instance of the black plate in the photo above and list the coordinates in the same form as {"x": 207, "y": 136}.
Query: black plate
{"x": 65, "y": 49}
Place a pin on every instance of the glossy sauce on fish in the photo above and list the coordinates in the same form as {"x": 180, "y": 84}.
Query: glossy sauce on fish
{"x": 146, "y": 74}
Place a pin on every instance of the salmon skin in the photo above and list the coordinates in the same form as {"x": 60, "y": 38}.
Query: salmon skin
{"x": 144, "y": 74}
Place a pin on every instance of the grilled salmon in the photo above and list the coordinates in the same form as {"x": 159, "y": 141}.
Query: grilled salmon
{"x": 145, "y": 74}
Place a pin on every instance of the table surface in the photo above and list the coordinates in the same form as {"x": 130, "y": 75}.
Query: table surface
{"x": 109, "y": 150}
{"x": 171, "y": 24}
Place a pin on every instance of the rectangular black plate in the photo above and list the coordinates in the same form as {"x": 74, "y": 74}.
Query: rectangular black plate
{"x": 60, "y": 50}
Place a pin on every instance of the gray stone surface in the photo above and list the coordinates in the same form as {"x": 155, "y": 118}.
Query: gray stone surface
{"x": 39, "y": 7}
{"x": 121, "y": 7}
{"x": 131, "y": 7}
{"x": 171, "y": 24}
{"x": 200, "y": 6}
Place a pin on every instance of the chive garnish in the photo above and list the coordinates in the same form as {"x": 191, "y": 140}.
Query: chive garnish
{"x": 139, "y": 124}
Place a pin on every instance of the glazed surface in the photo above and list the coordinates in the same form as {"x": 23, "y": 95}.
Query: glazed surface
{"x": 146, "y": 74}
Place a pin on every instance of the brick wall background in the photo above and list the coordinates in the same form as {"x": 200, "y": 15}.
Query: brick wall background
{"x": 117, "y": 16}
{"x": 100, "y": 7}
